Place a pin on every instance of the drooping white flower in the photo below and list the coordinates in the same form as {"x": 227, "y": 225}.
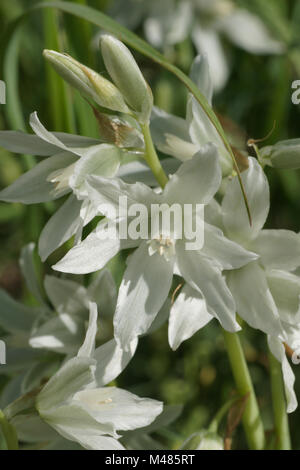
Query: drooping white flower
{"x": 39, "y": 337}
{"x": 266, "y": 291}
{"x": 284, "y": 155}
{"x": 77, "y": 408}
{"x": 147, "y": 279}
{"x": 183, "y": 138}
{"x": 71, "y": 159}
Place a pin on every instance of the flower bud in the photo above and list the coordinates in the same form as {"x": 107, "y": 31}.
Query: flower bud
{"x": 87, "y": 81}
{"x": 284, "y": 155}
{"x": 127, "y": 76}
{"x": 204, "y": 440}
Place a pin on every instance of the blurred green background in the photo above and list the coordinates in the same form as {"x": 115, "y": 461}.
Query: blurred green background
{"x": 258, "y": 94}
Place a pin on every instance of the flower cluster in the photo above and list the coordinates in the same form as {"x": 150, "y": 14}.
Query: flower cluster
{"x": 240, "y": 267}
{"x": 206, "y": 22}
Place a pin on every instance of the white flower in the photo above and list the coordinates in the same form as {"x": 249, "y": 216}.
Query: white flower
{"x": 219, "y": 18}
{"x": 207, "y": 22}
{"x": 277, "y": 250}
{"x": 33, "y": 333}
{"x": 148, "y": 277}
{"x": 77, "y": 408}
{"x": 284, "y": 155}
{"x": 71, "y": 159}
{"x": 266, "y": 291}
{"x": 183, "y": 138}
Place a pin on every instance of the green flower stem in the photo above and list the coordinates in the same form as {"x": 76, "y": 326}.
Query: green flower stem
{"x": 252, "y": 422}
{"x": 9, "y": 433}
{"x": 152, "y": 158}
{"x": 215, "y": 423}
{"x": 283, "y": 441}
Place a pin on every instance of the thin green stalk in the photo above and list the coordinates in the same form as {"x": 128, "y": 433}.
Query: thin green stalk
{"x": 9, "y": 433}
{"x": 152, "y": 158}
{"x": 283, "y": 441}
{"x": 219, "y": 416}
{"x": 252, "y": 422}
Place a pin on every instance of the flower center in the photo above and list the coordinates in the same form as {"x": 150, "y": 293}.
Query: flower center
{"x": 60, "y": 179}
{"x": 164, "y": 246}
{"x": 105, "y": 402}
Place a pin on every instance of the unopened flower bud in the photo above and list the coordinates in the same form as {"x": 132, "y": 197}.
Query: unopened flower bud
{"x": 204, "y": 440}
{"x": 87, "y": 81}
{"x": 127, "y": 76}
{"x": 284, "y": 155}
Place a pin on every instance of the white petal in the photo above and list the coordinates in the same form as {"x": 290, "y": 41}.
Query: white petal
{"x": 42, "y": 132}
{"x": 235, "y": 217}
{"x": 200, "y": 74}
{"x": 75, "y": 422}
{"x": 204, "y": 276}
{"x": 197, "y": 180}
{"x": 207, "y": 42}
{"x": 103, "y": 291}
{"x": 112, "y": 360}
{"x": 144, "y": 288}
{"x": 20, "y": 142}
{"x": 278, "y": 350}
{"x": 16, "y": 317}
{"x": 92, "y": 254}
{"x": 33, "y": 187}
{"x": 66, "y": 295}
{"x": 74, "y": 375}
{"x": 229, "y": 254}
{"x": 31, "y": 428}
{"x": 171, "y": 135}
{"x": 202, "y": 132}
{"x": 29, "y": 271}
{"x": 61, "y": 333}
{"x": 107, "y": 191}
{"x": 88, "y": 347}
{"x": 58, "y": 139}
{"x": 103, "y": 160}
{"x": 76, "y": 141}
{"x": 253, "y": 298}
{"x": 188, "y": 315}
{"x": 249, "y": 32}
{"x": 120, "y": 409}
{"x": 285, "y": 288}
{"x": 60, "y": 227}
{"x": 213, "y": 214}
{"x": 278, "y": 249}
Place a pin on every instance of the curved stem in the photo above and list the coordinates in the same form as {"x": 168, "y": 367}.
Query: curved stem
{"x": 215, "y": 423}
{"x": 8, "y": 432}
{"x": 283, "y": 441}
{"x": 152, "y": 158}
{"x": 252, "y": 422}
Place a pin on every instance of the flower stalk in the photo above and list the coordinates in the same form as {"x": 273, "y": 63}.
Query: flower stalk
{"x": 152, "y": 158}
{"x": 283, "y": 441}
{"x": 9, "y": 433}
{"x": 252, "y": 422}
